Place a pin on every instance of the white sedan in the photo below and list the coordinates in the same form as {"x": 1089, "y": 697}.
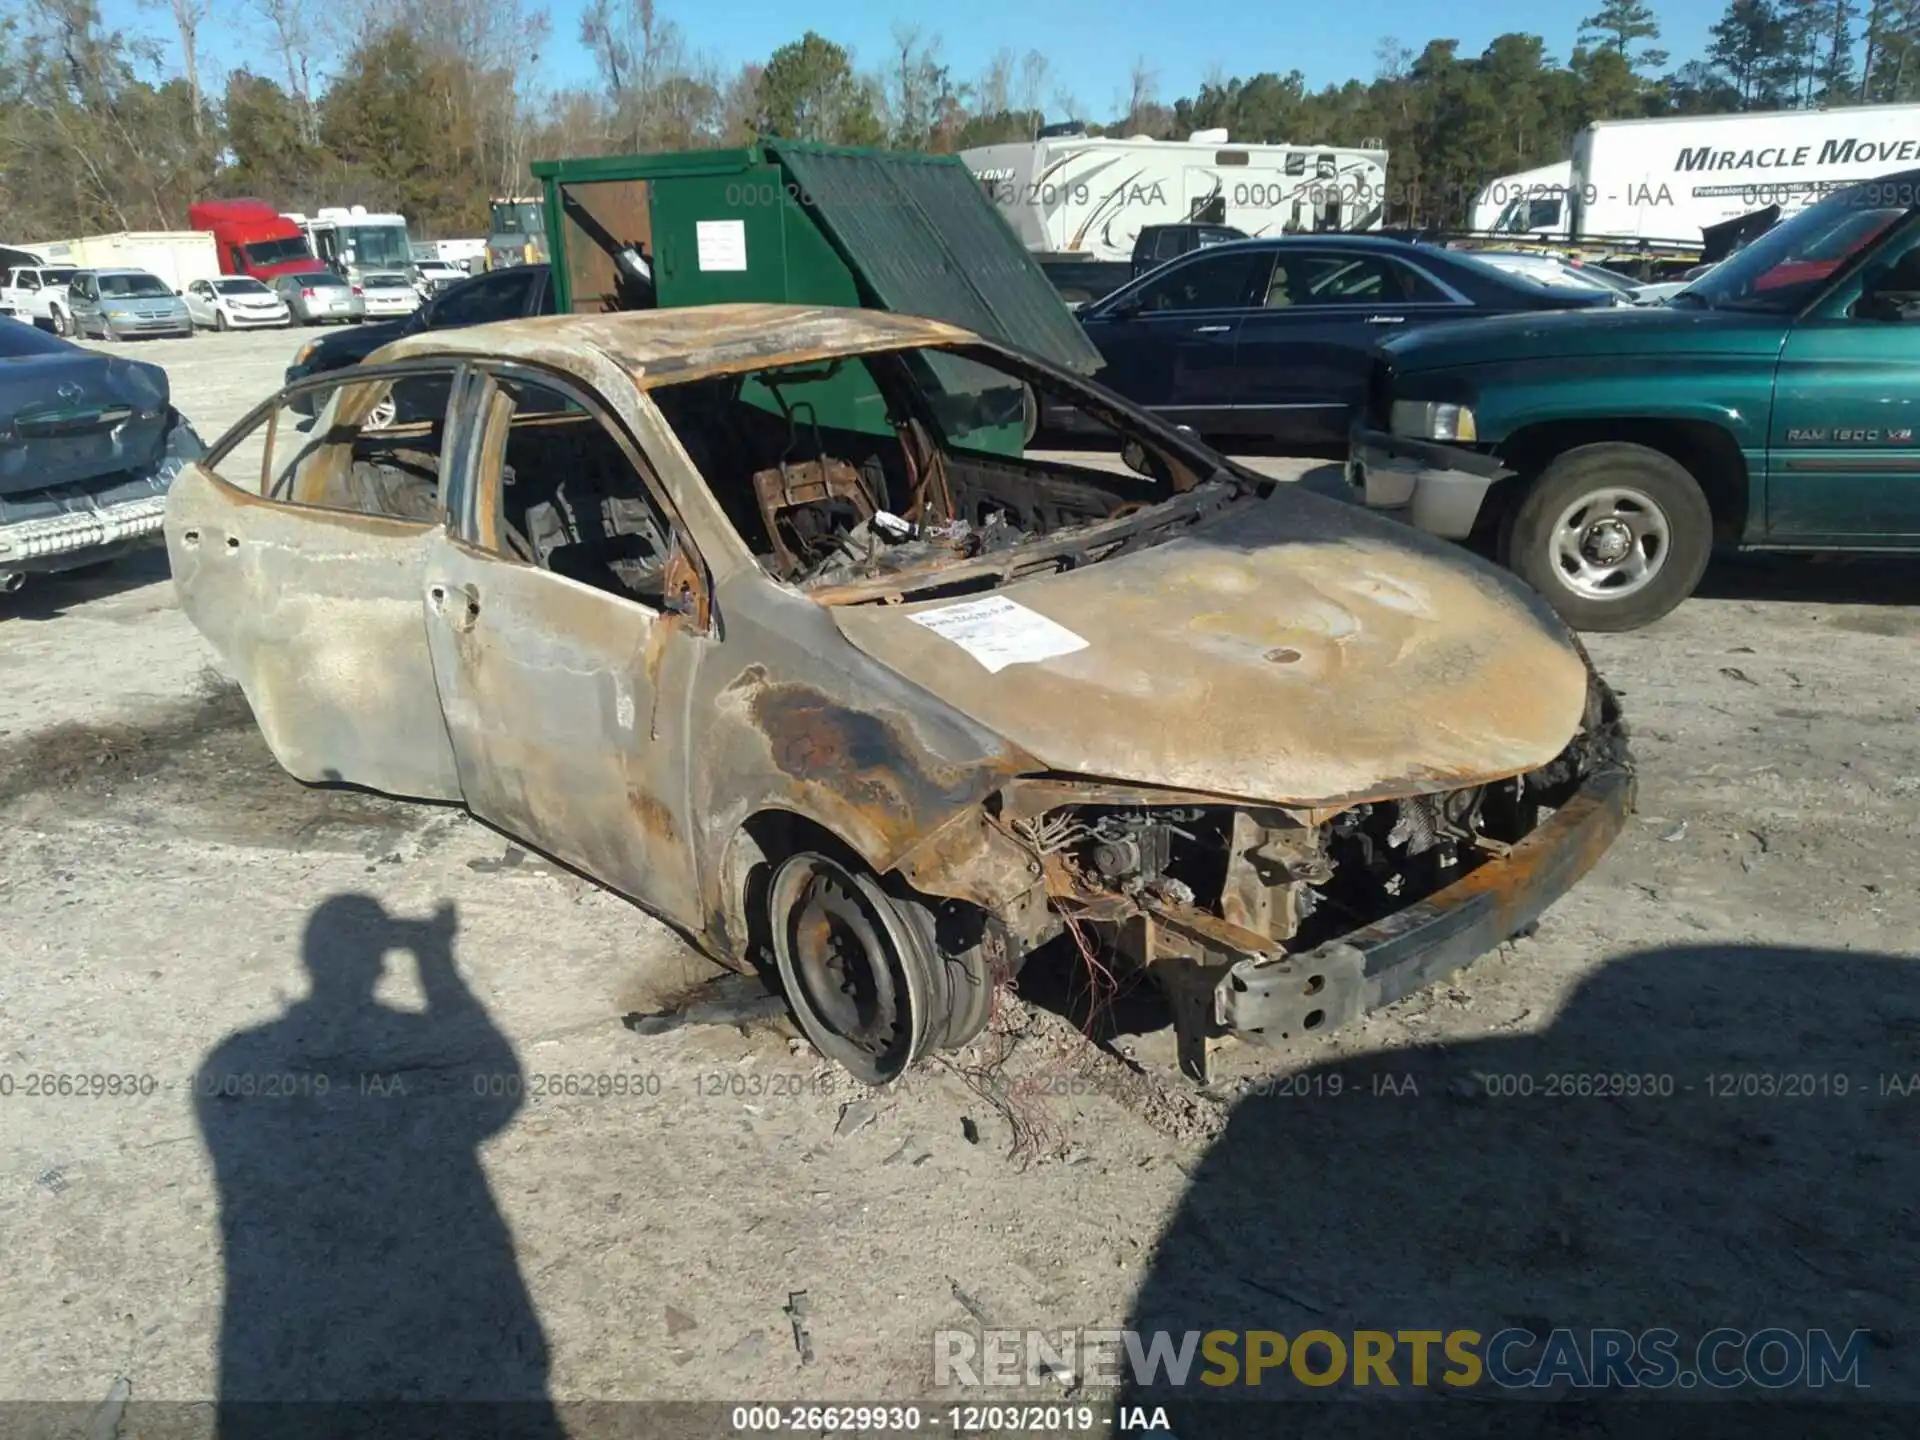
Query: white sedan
{"x": 388, "y": 295}
{"x": 235, "y": 302}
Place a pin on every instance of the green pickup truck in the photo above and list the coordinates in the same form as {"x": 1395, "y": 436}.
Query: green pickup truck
{"x": 1772, "y": 405}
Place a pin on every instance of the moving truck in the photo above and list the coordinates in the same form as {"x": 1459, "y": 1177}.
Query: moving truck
{"x": 178, "y": 257}
{"x": 1676, "y": 185}
{"x": 1529, "y": 201}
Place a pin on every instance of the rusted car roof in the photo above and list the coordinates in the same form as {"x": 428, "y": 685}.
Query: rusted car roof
{"x": 668, "y": 346}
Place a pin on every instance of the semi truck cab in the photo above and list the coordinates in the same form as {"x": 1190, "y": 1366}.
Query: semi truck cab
{"x": 252, "y": 238}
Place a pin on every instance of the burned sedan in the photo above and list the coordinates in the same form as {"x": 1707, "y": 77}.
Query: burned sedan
{"x": 766, "y": 618}
{"x": 88, "y": 446}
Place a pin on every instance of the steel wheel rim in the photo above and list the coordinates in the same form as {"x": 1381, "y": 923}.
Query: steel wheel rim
{"x": 1610, "y": 543}
{"x": 855, "y": 974}
{"x": 842, "y": 964}
{"x": 382, "y": 415}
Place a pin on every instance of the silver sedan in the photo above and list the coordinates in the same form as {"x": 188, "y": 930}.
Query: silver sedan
{"x": 319, "y": 297}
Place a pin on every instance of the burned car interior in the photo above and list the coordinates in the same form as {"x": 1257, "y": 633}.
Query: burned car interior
{"x": 341, "y": 461}
{"x": 571, "y": 501}
{"x": 910, "y": 489}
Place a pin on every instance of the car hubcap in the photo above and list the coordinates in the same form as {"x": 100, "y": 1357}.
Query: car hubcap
{"x": 1610, "y": 543}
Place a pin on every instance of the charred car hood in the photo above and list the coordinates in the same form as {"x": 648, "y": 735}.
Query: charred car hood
{"x": 1562, "y": 334}
{"x": 1298, "y": 651}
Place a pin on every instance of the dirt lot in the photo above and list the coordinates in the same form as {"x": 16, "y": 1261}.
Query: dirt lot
{"x": 170, "y": 897}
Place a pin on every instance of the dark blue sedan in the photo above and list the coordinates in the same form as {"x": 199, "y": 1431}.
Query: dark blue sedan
{"x": 89, "y": 444}
{"x": 1269, "y": 339}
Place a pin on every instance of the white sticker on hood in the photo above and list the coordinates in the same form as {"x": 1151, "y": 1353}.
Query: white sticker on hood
{"x": 998, "y": 632}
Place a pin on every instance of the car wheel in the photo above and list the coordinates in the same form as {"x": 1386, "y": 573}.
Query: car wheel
{"x": 220, "y": 320}
{"x": 61, "y": 325}
{"x": 383, "y": 415}
{"x": 1614, "y": 536}
{"x": 858, "y": 973}
{"x": 106, "y": 332}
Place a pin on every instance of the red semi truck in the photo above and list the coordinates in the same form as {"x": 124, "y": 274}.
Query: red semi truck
{"x": 253, "y": 238}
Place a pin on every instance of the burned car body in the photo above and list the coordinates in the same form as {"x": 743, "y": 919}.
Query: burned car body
{"x": 765, "y": 618}
{"x": 88, "y": 446}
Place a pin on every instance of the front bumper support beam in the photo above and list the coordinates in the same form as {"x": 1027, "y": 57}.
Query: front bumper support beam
{"x": 1234, "y": 985}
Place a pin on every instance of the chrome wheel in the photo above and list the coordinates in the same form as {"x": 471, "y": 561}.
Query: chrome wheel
{"x": 382, "y": 415}
{"x": 1610, "y": 543}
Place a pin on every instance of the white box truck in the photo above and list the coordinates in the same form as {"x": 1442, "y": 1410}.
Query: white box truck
{"x": 178, "y": 257}
{"x": 1661, "y": 184}
{"x": 1533, "y": 201}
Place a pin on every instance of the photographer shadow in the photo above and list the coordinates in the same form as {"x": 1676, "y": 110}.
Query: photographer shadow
{"x": 370, "y": 1278}
{"x": 1703, "y": 1137}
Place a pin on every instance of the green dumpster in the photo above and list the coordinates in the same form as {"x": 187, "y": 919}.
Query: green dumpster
{"x": 784, "y": 222}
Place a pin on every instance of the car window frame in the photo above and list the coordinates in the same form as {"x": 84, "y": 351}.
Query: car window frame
{"x": 267, "y": 410}
{"x": 500, "y": 279}
{"x": 1838, "y": 293}
{"x": 1339, "y": 260}
{"x": 1444, "y": 293}
{"x": 474, "y": 526}
{"x": 1133, "y": 293}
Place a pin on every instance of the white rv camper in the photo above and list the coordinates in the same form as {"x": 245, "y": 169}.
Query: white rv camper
{"x": 1074, "y": 194}
{"x": 1666, "y": 181}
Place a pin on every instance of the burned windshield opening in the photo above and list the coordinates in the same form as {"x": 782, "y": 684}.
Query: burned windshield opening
{"x": 914, "y": 470}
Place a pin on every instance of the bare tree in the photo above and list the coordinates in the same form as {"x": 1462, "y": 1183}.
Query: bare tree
{"x": 993, "y": 91}
{"x": 188, "y": 17}
{"x": 1142, "y": 85}
{"x": 659, "y": 93}
{"x": 1391, "y": 59}
{"x": 294, "y": 31}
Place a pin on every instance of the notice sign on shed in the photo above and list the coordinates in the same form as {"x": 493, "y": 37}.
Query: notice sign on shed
{"x": 722, "y": 244}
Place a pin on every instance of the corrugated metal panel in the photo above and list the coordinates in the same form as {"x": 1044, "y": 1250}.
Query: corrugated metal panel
{"x": 917, "y": 231}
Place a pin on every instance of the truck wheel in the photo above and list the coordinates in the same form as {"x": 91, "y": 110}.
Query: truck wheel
{"x": 61, "y": 325}
{"x": 1614, "y": 536}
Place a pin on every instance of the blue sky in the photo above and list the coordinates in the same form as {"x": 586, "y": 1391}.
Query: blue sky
{"x": 1091, "y": 49}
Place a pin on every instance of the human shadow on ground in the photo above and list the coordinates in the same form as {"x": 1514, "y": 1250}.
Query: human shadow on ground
{"x": 366, "y": 1261}
{"x": 1701, "y": 1138}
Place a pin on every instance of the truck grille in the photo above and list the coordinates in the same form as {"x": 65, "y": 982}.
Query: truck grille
{"x": 1380, "y": 394}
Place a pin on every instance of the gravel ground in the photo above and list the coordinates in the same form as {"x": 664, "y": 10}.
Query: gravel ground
{"x": 176, "y": 910}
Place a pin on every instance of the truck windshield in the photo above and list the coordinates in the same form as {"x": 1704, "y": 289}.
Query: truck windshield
{"x": 278, "y": 252}
{"x": 517, "y": 217}
{"x": 374, "y": 245}
{"x": 57, "y": 277}
{"x": 1780, "y": 270}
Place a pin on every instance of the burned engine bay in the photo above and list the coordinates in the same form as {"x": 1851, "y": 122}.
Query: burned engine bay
{"x": 832, "y": 507}
{"x": 1197, "y": 891}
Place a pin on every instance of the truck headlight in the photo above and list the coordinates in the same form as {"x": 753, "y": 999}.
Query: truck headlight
{"x": 1433, "y": 420}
